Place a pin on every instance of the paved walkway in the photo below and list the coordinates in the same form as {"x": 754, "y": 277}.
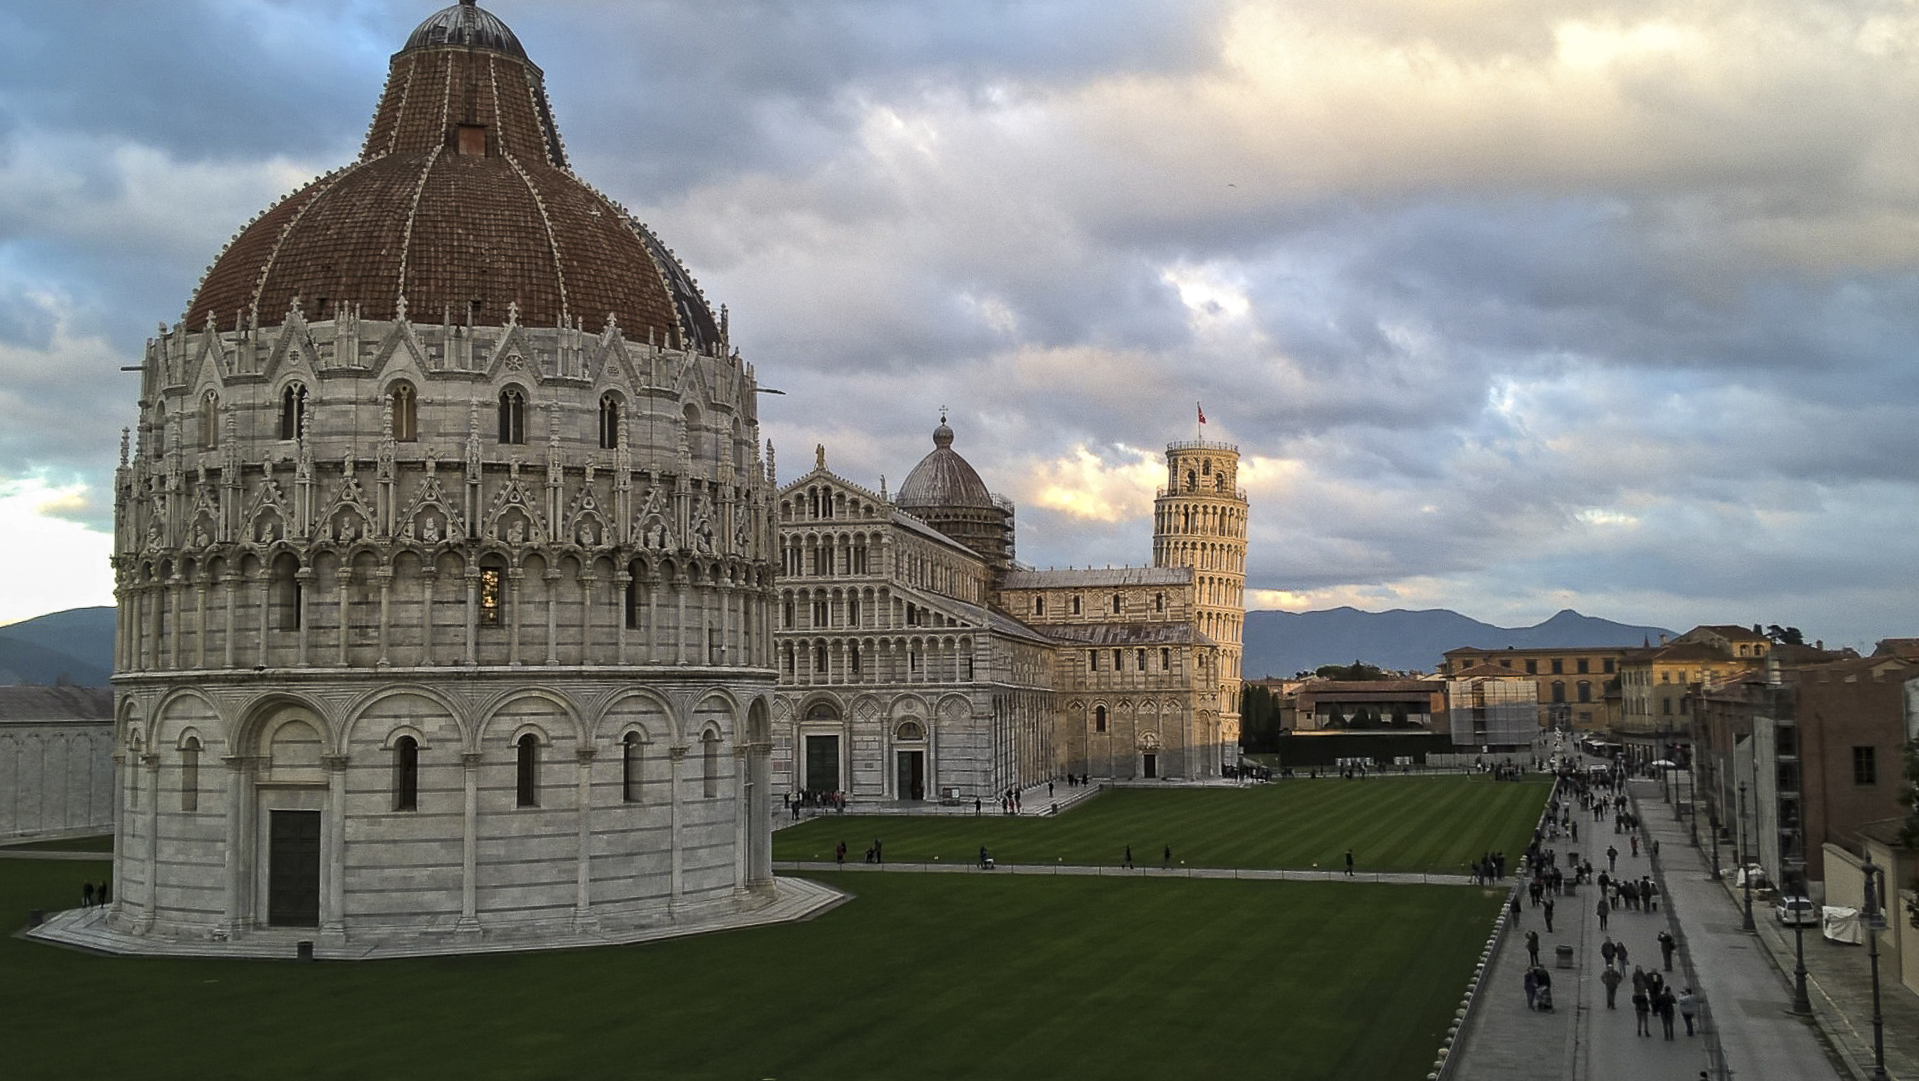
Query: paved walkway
{"x": 1743, "y": 993}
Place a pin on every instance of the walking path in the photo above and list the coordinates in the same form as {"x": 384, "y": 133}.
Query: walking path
{"x": 1741, "y": 990}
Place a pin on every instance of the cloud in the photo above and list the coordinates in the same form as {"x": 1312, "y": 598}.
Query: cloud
{"x": 54, "y": 562}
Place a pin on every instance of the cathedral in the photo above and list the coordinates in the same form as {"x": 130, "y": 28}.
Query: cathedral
{"x": 444, "y": 556}
{"x": 918, "y": 660}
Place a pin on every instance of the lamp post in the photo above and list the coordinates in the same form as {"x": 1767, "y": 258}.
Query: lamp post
{"x": 1712, "y": 824}
{"x": 1875, "y": 923}
{"x": 1801, "y": 1002}
{"x": 1745, "y": 869}
{"x": 1692, "y": 799}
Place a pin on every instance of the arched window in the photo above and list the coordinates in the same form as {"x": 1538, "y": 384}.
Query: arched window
{"x": 406, "y": 774}
{"x": 1099, "y": 718}
{"x": 492, "y": 596}
{"x": 1118, "y": 604}
{"x": 159, "y": 440}
{"x": 1039, "y": 606}
{"x": 1559, "y": 691}
{"x": 406, "y": 413}
{"x": 190, "y": 775}
{"x": 512, "y": 416}
{"x": 710, "y": 759}
{"x": 293, "y": 411}
{"x": 609, "y": 421}
{"x": 210, "y": 420}
{"x": 528, "y": 774}
{"x": 630, "y": 772}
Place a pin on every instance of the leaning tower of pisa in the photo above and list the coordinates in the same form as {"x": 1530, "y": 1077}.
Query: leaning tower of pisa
{"x": 1199, "y": 521}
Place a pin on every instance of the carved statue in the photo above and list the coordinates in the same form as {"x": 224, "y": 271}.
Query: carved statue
{"x": 516, "y": 533}
{"x": 429, "y": 529}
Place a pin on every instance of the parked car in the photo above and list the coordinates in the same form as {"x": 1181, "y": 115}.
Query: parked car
{"x": 1798, "y": 910}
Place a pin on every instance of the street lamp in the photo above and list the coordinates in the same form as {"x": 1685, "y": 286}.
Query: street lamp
{"x": 1745, "y": 868}
{"x": 1875, "y": 922}
{"x": 1692, "y": 800}
{"x": 1801, "y": 1002}
{"x": 1712, "y": 824}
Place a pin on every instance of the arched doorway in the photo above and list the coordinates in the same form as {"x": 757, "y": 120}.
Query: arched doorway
{"x": 909, "y": 761}
{"x": 290, "y": 791}
{"x": 822, "y": 746}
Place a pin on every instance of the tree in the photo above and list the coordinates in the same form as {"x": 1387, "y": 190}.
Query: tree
{"x": 1356, "y": 672}
{"x": 1784, "y": 636}
{"x": 1337, "y": 718}
{"x": 1259, "y": 724}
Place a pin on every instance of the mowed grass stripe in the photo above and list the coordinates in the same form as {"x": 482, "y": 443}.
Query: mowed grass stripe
{"x": 1434, "y": 824}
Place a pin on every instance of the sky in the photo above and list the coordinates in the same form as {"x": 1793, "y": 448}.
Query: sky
{"x": 1510, "y": 305}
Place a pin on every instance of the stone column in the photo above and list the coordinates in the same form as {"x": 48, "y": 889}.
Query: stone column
{"x": 232, "y": 595}
{"x": 583, "y": 805}
{"x": 553, "y": 617}
{"x": 470, "y": 845}
{"x": 514, "y": 578}
{"x": 742, "y": 819}
{"x": 266, "y": 608}
{"x": 200, "y": 632}
{"x": 341, "y": 580}
{"x": 426, "y": 619}
{"x": 386, "y": 615}
{"x": 232, "y": 912}
{"x": 677, "y": 754}
{"x": 152, "y": 763}
{"x": 120, "y": 796}
{"x": 472, "y": 614}
{"x": 759, "y": 838}
{"x": 304, "y": 576}
{"x": 333, "y": 915}
{"x": 619, "y": 624}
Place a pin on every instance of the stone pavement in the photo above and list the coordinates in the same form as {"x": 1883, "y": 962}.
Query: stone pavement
{"x": 1742, "y": 993}
{"x": 1838, "y": 979}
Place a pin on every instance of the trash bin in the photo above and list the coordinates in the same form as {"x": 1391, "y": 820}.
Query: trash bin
{"x": 1564, "y": 954}
{"x": 305, "y": 950}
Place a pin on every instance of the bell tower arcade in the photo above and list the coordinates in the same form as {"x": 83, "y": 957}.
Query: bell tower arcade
{"x": 1199, "y": 521}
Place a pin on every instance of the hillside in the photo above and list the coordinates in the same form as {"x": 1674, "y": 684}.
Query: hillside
{"x": 74, "y": 646}
{"x": 1282, "y": 643}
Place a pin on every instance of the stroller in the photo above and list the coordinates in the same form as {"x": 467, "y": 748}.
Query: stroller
{"x": 1543, "y": 998}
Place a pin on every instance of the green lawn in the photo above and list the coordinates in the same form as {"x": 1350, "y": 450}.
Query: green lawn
{"x": 931, "y": 976}
{"x": 1431, "y": 823}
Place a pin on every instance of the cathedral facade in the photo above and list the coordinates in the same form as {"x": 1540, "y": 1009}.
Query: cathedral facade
{"x": 918, "y": 660}
{"x": 444, "y": 554}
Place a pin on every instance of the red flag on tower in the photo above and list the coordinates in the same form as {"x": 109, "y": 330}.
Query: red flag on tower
{"x": 1202, "y": 412}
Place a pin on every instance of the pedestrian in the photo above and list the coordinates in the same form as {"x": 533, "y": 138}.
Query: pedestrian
{"x": 1688, "y": 1007}
{"x": 839, "y": 854}
{"x": 86, "y": 895}
{"x": 1607, "y": 951}
{"x": 1662, "y": 1005}
{"x": 1532, "y": 948}
{"x": 1620, "y": 948}
{"x": 1128, "y": 861}
{"x": 1531, "y": 983}
{"x": 982, "y": 857}
{"x": 1349, "y": 864}
{"x": 879, "y": 854}
{"x": 1166, "y": 858}
{"x": 1612, "y": 979}
{"x": 1635, "y": 845}
{"x": 1603, "y": 910}
{"x": 976, "y": 806}
{"x": 1515, "y": 908}
{"x": 1547, "y": 907}
{"x": 1612, "y": 858}
{"x": 1642, "y": 1013}
{"x": 1666, "y": 947}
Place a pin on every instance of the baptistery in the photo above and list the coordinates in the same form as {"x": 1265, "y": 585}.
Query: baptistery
{"x": 442, "y": 555}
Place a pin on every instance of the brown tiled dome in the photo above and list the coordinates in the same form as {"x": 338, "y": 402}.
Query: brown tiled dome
{"x": 460, "y": 204}
{"x": 944, "y": 480}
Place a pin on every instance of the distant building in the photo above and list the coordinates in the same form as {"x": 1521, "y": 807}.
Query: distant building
{"x": 1576, "y": 685}
{"x": 918, "y": 661}
{"x": 1328, "y": 704}
{"x": 56, "y": 760}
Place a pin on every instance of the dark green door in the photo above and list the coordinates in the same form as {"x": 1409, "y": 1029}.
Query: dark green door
{"x": 823, "y": 763}
{"x": 293, "y": 869}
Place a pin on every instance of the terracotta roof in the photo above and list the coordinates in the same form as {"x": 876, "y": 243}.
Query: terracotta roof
{"x": 1097, "y": 578}
{"x": 460, "y": 205}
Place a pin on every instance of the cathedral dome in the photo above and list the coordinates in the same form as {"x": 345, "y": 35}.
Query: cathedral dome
{"x": 943, "y": 478}
{"x": 462, "y": 208}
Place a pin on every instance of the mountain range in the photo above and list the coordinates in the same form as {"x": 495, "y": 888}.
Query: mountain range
{"x": 1280, "y": 644}
{"x": 76, "y": 646}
